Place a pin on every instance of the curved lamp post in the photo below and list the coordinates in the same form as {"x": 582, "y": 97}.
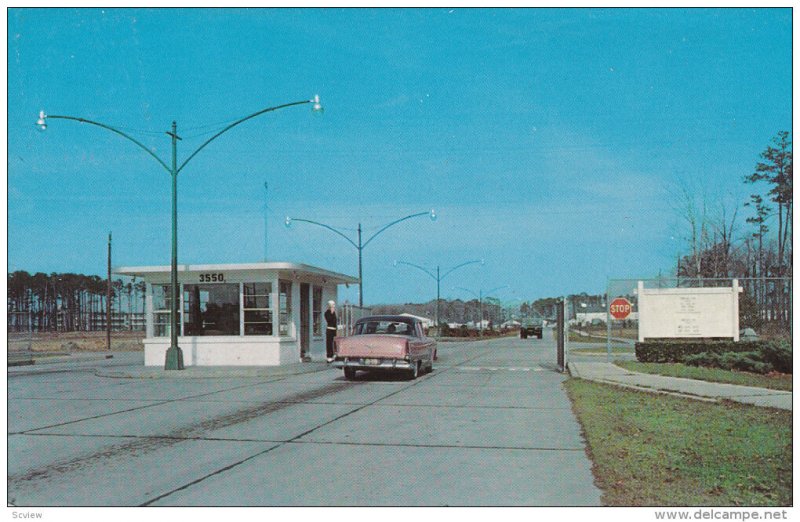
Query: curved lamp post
{"x": 480, "y": 295}
{"x": 360, "y": 246}
{"x": 174, "y": 357}
{"x": 438, "y": 277}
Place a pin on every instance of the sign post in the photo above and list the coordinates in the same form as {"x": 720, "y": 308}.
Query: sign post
{"x": 561, "y": 336}
{"x": 620, "y": 308}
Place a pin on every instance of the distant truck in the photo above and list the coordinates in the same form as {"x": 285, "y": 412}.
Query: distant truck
{"x": 530, "y": 328}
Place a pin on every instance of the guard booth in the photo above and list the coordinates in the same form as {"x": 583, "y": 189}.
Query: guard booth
{"x": 256, "y": 314}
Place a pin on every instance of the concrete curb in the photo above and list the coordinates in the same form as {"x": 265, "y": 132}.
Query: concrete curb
{"x": 214, "y": 372}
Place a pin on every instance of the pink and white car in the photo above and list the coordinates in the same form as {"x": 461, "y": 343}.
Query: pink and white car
{"x": 385, "y": 343}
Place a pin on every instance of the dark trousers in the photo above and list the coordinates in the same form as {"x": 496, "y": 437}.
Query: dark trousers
{"x": 329, "y": 335}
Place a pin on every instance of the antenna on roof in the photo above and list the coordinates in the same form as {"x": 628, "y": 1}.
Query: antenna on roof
{"x": 266, "y": 212}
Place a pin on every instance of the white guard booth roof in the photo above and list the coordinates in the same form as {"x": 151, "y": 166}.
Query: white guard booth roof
{"x": 250, "y": 314}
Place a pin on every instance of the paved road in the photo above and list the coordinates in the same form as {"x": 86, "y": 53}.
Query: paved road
{"x": 490, "y": 426}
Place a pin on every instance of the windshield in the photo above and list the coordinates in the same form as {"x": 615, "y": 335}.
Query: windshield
{"x": 376, "y": 326}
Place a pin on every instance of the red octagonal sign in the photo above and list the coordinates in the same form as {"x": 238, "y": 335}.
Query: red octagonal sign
{"x": 620, "y": 308}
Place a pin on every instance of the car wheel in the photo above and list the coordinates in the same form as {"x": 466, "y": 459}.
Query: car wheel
{"x": 415, "y": 371}
{"x": 349, "y": 373}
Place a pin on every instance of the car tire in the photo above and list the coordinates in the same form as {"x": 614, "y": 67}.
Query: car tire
{"x": 413, "y": 374}
{"x": 349, "y": 374}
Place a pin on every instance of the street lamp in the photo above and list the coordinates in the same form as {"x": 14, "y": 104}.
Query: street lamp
{"x": 174, "y": 356}
{"x": 480, "y": 295}
{"x": 438, "y": 278}
{"x": 360, "y": 246}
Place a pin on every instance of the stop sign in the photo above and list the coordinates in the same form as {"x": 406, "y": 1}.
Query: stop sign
{"x": 620, "y": 308}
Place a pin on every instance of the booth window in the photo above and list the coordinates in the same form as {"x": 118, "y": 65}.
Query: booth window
{"x": 316, "y": 308}
{"x": 162, "y": 301}
{"x": 211, "y": 309}
{"x": 257, "y": 312}
{"x": 285, "y": 307}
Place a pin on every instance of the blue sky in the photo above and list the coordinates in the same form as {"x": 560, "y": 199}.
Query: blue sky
{"x": 548, "y": 140}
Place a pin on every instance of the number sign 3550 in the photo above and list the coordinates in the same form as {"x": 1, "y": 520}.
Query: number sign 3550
{"x": 212, "y": 278}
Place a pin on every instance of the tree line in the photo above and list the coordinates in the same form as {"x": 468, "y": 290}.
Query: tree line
{"x": 69, "y": 302}
{"x": 451, "y": 311}
{"x": 759, "y": 254}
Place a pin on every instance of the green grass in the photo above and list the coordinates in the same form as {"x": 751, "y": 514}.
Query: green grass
{"x": 577, "y": 338}
{"x": 602, "y": 331}
{"x": 775, "y": 382}
{"x": 600, "y": 334}
{"x": 658, "y": 450}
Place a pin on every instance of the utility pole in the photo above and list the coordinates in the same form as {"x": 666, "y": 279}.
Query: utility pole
{"x": 360, "y": 273}
{"x": 174, "y": 356}
{"x": 266, "y": 210}
{"x": 438, "y": 295}
{"x": 108, "y": 298}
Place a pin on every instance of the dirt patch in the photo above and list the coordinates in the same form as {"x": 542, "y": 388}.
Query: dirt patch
{"x": 74, "y": 342}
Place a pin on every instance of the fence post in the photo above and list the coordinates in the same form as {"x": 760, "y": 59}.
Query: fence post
{"x": 608, "y": 320}
{"x": 640, "y": 299}
{"x": 560, "y": 334}
{"x": 735, "y": 291}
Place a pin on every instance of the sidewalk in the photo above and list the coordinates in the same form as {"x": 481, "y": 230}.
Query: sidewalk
{"x": 694, "y": 389}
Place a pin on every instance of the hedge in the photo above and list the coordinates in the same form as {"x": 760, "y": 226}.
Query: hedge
{"x": 741, "y": 361}
{"x": 778, "y": 354}
{"x": 676, "y": 351}
{"x": 754, "y": 356}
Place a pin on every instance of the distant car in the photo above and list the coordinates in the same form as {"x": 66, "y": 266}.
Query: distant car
{"x": 531, "y": 328}
{"x": 385, "y": 343}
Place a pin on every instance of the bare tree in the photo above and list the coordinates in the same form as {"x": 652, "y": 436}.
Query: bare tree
{"x": 694, "y": 214}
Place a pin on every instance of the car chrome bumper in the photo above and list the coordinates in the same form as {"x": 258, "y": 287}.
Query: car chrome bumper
{"x": 363, "y": 363}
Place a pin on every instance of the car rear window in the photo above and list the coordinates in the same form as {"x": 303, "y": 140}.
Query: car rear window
{"x": 384, "y": 327}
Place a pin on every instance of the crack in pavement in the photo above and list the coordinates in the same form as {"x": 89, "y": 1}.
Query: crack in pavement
{"x": 201, "y": 479}
{"x": 153, "y": 403}
{"x": 175, "y": 436}
{"x": 295, "y": 439}
{"x": 193, "y": 431}
{"x": 231, "y": 466}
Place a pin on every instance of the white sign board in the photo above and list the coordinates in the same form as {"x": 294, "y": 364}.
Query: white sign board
{"x": 689, "y": 312}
